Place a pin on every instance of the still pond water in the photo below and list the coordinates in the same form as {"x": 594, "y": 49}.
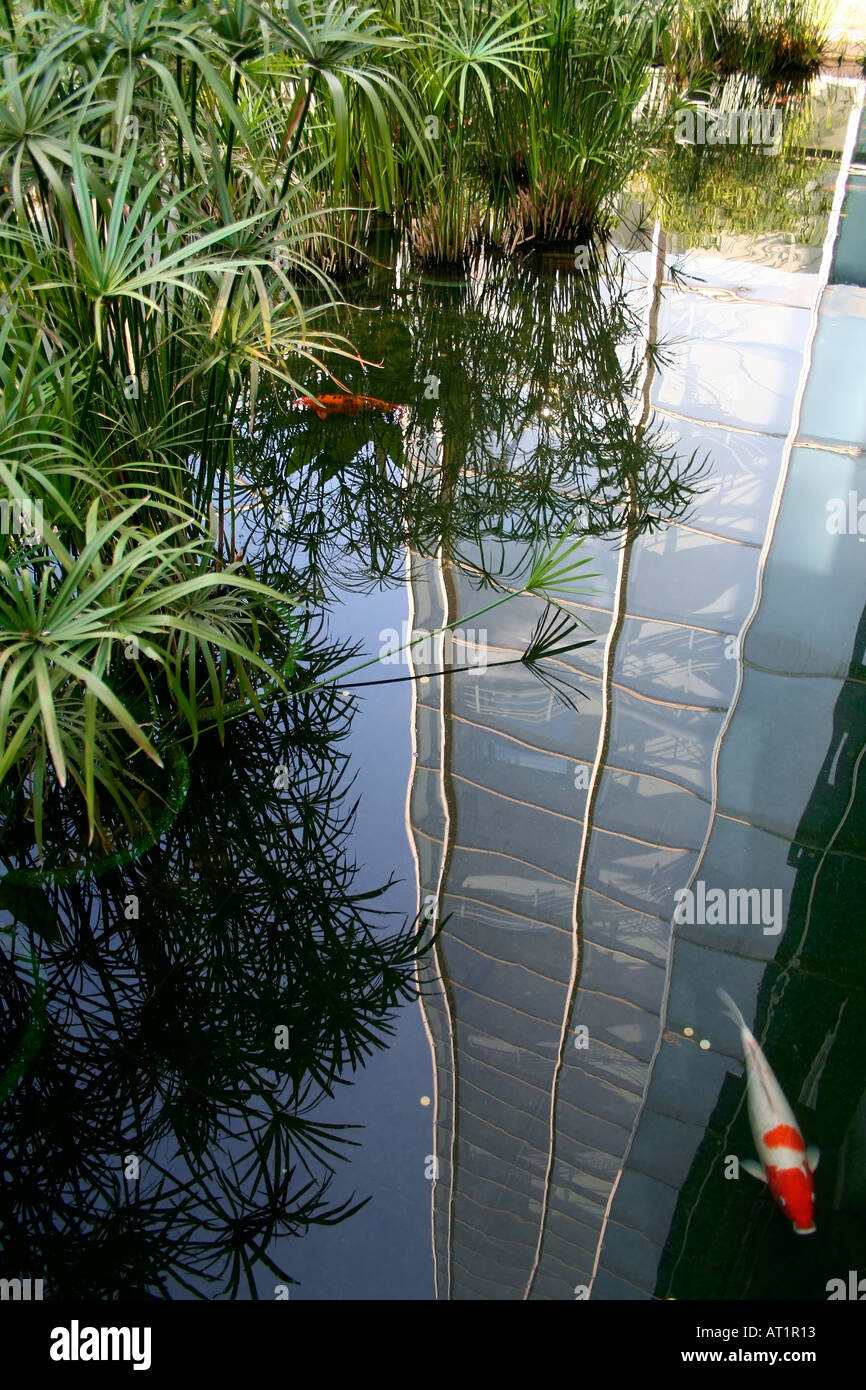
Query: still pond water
{"x": 556, "y": 1116}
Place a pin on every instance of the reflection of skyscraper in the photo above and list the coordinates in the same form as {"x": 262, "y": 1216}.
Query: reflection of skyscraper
{"x": 499, "y": 806}
{"x": 560, "y": 1164}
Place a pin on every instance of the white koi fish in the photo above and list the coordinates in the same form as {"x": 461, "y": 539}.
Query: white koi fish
{"x": 786, "y": 1164}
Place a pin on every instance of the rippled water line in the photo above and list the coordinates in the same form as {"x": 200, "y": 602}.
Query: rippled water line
{"x": 442, "y": 869}
{"x": 614, "y": 631}
{"x": 823, "y": 280}
{"x": 575, "y": 955}
{"x": 440, "y": 646}
{"x": 413, "y": 712}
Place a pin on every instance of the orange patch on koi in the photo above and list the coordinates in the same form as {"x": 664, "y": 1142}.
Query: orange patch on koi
{"x": 783, "y": 1137}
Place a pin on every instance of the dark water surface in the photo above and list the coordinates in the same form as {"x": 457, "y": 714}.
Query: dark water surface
{"x": 555, "y": 1119}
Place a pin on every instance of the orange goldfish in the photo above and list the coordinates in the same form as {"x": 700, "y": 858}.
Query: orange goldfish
{"x": 346, "y": 405}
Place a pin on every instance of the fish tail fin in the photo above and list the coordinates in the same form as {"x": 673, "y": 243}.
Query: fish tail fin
{"x": 731, "y": 1009}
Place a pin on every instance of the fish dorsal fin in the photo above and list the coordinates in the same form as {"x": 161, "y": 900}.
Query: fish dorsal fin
{"x": 753, "y": 1168}
{"x": 813, "y": 1157}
